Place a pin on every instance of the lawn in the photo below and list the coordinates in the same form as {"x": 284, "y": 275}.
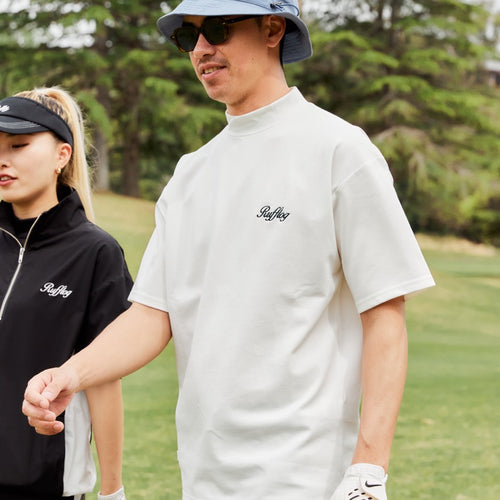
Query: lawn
{"x": 447, "y": 440}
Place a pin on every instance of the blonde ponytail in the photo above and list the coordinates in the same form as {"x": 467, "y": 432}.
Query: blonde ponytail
{"x": 76, "y": 173}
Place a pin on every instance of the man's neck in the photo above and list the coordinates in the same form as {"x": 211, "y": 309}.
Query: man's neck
{"x": 259, "y": 99}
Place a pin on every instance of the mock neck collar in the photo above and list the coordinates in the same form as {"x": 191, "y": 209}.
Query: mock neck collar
{"x": 265, "y": 117}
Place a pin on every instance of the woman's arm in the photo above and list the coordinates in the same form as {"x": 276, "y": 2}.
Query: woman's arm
{"x": 106, "y": 410}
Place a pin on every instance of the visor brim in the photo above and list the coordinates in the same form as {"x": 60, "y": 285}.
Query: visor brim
{"x": 16, "y": 126}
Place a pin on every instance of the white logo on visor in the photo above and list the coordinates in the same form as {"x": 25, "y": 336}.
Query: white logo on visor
{"x": 4, "y": 108}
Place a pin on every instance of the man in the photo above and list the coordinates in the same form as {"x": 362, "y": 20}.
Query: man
{"x": 279, "y": 265}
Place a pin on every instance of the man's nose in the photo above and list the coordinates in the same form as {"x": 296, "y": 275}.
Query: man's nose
{"x": 203, "y": 47}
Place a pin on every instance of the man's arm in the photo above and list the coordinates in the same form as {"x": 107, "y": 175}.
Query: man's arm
{"x": 384, "y": 365}
{"x": 133, "y": 339}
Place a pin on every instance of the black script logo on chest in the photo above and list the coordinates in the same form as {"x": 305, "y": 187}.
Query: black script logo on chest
{"x": 269, "y": 214}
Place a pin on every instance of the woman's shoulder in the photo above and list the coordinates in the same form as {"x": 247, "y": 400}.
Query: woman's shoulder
{"x": 95, "y": 235}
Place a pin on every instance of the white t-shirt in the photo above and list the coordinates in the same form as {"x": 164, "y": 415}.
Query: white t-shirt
{"x": 269, "y": 242}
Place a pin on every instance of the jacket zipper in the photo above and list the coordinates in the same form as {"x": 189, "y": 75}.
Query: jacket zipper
{"x": 22, "y": 250}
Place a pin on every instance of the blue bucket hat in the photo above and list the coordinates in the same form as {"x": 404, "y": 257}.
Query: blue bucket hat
{"x": 296, "y": 42}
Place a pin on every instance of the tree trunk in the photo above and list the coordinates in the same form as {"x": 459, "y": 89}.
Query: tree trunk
{"x": 131, "y": 143}
{"x": 101, "y": 173}
{"x": 101, "y": 142}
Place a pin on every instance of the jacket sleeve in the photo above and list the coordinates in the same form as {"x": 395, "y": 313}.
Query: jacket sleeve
{"x": 111, "y": 285}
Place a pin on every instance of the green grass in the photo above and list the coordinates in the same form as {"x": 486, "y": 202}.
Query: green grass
{"x": 447, "y": 440}
{"x": 129, "y": 220}
{"x": 150, "y": 468}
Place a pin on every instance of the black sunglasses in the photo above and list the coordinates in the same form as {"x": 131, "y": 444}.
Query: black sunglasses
{"x": 214, "y": 29}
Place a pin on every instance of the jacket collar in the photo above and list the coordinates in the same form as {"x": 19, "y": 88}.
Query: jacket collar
{"x": 67, "y": 214}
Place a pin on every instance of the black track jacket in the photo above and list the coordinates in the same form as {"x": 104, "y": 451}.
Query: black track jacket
{"x": 70, "y": 283}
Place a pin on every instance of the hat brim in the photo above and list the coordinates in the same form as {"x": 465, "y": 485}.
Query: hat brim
{"x": 296, "y": 43}
{"x": 16, "y": 126}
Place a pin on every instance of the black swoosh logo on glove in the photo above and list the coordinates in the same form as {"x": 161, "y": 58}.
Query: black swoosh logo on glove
{"x": 371, "y": 485}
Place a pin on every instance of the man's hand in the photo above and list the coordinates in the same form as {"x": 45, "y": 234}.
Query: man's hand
{"x": 362, "y": 482}
{"x": 47, "y": 395}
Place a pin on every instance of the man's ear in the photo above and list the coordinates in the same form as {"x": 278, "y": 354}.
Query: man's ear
{"x": 276, "y": 26}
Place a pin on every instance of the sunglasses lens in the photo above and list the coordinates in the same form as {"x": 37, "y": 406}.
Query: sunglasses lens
{"x": 186, "y": 37}
{"x": 214, "y": 30}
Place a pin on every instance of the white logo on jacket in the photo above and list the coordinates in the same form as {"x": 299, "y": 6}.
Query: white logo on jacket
{"x": 54, "y": 291}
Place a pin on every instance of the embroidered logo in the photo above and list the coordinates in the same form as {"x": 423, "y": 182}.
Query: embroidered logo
{"x": 268, "y": 214}
{"x": 53, "y": 291}
{"x": 4, "y": 108}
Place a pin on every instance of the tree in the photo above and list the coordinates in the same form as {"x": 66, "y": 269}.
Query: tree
{"x": 130, "y": 80}
{"x": 408, "y": 72}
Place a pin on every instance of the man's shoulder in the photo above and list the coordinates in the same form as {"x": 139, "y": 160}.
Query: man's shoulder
{"x": 328, "y": 120}
{"x": 202, "y": 150}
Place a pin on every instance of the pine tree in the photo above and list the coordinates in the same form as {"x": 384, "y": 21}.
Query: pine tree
{"x": 129, "y": 79}
{"x": 410, "y": 73}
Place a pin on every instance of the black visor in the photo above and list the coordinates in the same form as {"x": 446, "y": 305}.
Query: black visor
{"x": 19, "y": 115}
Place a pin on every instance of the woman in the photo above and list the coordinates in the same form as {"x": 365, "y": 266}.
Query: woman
{"x": 62, "y": 280}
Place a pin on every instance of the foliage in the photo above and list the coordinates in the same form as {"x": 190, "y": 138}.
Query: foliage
{"x": 408, "y": 71}
{"x": 410, "y": 74}
{"x": 129, "y": 79}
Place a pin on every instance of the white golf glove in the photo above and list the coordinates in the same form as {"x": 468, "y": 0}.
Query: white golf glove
{"x": 362, "y": 482}
{"x": 117, "y": 495}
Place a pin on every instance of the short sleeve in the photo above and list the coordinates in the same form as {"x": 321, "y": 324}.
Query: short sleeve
{"x": 380, "y": 256}
{"x": 150, "y": 286}
{"x": 111, "y": 284}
